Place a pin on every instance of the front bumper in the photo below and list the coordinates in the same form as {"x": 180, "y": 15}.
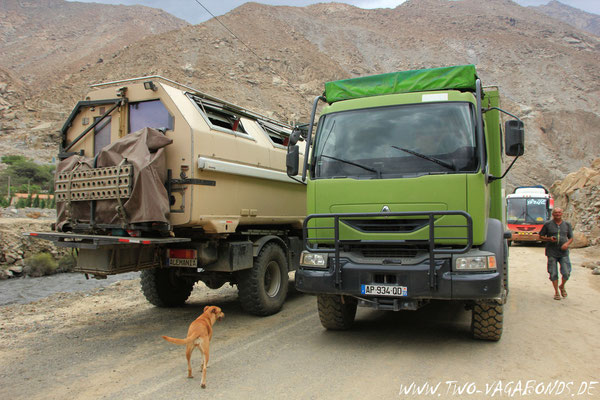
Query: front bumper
{"x": 525, "y": 237}
{"x": 449, "y": 285}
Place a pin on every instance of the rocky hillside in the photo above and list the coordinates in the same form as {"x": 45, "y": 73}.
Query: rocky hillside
{"x": 579, "y": 195}
{"x": 572, "y": 16}
{"x": 546, "y": 69}
{"x": 41, "y": 40}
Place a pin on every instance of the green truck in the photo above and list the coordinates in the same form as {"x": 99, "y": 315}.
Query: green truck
{"x": 405, "y": 199}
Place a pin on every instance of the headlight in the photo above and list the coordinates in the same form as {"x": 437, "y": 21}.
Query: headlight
{"x": 476, "y": 263}
{"x": 315, "y": 260}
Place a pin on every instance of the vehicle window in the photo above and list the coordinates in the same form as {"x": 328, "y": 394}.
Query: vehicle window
{"x": 101, "y": 134}
{"x": 397, "y": 141}
{"x": 151, "y": 114}
{"x": 527, "y": 210}
{"x": 219, "y": 116}
{"x": 277, "y": 133}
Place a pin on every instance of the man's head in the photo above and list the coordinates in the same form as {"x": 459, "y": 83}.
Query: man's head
{"x": 557, "y": 214}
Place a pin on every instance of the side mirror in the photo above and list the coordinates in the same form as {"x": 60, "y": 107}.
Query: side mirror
{"x": 295, "y": 136}
{"x": 292, "y": 159}
{"x": 514, "y": 138}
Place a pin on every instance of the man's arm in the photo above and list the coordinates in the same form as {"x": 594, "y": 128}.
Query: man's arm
{"x": 566, "y": 245}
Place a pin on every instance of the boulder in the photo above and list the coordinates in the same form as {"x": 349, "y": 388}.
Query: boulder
{"x": 3, "y": 275}
{"x": 17, "y": 270}
{"x": 10, "y": 258}
{"x": 579, "y": 195}
{"x": 591, "y": 264}
{"x": 579, "y": 240}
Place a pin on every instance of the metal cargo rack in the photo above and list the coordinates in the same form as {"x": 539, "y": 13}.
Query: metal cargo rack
{"x": 95, "y": 184}
{"x": 96, "y": 241}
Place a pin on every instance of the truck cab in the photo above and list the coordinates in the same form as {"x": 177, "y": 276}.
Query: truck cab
{"x": 405, "y": 197}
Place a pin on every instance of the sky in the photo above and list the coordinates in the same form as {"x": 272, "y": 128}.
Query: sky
{"x": 192, "y": 12}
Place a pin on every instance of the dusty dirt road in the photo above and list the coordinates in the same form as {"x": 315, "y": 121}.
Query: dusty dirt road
{"x": 106, "y": 344}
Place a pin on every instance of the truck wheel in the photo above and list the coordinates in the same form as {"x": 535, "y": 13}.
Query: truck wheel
{"x": 336, "y": 313}
{"x": 263, "y": 288}
{"x": 505, "y": 274}
{"x": 163, "y": 288}
{"x": 487, "y": 321}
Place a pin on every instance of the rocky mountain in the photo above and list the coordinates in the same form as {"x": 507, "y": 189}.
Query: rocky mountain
{"x": 572, "y": 16}
{"x": 579, "y": 195}
{"x": 40, "y": 40}
{"x": 280, "y": 58}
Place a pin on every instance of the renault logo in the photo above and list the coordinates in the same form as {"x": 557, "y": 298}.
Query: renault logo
{"x": 385, "y": 209}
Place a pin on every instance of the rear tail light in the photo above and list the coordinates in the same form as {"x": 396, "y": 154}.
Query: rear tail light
{"x": 182, "y": 253}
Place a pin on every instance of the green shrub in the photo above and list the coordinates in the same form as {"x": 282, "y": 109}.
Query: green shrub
{"x": 67, "y": 263}
{"x": 26, "y": 175}
{"x": 40, "y": 264}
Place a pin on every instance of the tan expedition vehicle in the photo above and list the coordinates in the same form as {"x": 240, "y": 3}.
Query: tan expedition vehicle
{"x": 159, "y": 177}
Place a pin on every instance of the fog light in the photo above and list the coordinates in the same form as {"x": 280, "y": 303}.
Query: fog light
{"x": 314, "y": 260}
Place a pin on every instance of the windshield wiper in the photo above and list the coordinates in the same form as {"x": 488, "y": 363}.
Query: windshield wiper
{"x": 355, "y": 164}
{"x": 443, "y": 163}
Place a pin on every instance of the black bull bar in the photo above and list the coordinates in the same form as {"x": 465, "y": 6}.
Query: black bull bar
{"x": 311, "y": 244}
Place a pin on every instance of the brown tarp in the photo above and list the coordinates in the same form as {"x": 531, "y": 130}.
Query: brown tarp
{"x": 148, "y": 202}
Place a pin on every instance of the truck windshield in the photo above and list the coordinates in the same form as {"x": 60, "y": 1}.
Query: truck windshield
{"x": 396, "y": 141}
{"x": 527, "y": 211}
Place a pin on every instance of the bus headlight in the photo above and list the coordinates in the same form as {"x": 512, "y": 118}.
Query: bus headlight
{"x": 313, "y": 260}
{"x": 479, "y": 263}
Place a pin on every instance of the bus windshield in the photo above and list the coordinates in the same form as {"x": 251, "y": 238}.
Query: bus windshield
{"x": 396, "y": 141}
{"x": 527, "y": 210}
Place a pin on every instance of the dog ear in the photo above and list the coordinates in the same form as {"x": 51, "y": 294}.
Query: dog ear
{"x": 206, "y": 308}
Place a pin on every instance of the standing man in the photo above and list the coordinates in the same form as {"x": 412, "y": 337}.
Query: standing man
{"x": 558, "y": 236}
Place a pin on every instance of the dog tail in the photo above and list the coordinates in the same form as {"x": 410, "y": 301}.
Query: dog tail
{"x": 178, "y": 341}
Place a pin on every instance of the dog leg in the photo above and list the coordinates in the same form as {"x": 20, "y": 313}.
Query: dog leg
{"x": 204, "y": 349}
{"x": 188, "y": 354}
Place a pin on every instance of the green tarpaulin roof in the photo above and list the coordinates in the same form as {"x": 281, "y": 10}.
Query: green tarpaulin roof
{"x": 461, "y": 77}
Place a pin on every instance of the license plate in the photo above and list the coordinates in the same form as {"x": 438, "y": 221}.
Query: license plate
{"x": 384, "y": 290}
{"x": 183, "y": 262}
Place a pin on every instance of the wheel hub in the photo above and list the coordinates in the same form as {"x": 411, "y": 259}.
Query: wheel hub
{"x": 272, "y": 279}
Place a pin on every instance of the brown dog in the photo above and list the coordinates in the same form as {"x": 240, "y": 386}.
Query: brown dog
{"x": 199, "y": 335}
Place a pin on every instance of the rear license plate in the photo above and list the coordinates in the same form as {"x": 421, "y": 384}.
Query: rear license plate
{"x": 183, "y": 262}
{"x": 384, "y": 290}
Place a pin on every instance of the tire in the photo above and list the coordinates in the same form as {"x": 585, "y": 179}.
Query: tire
{"x": 336, "y": 313}
{"x": 263, "y": 288}
{"x": 505, "y": 274}
{"x": 163, "y": 288}
{"x": 487, "y": 320}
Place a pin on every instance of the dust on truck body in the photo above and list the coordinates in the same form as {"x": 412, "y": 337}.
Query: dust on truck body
{"x": 159, "y": 177}
{"x": 405, "y": 198}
